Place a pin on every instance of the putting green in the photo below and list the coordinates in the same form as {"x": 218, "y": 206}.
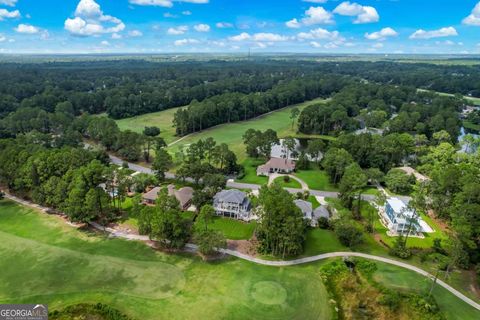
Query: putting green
{"x": 269, "y": 292}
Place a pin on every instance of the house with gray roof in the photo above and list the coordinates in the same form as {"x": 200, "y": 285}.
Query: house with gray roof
{"x": 306, "y": 208}
{"x": 233, "y": 204}
{"x": 320, "y": 212}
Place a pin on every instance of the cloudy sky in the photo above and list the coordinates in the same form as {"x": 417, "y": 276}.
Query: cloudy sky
{"x": 167, "y": 26}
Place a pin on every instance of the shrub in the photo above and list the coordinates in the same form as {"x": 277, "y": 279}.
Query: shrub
{"x": 286, "y": 179}
{"x": 348, "y": 234}
{"x": 399, "y": 249}
{"x": 323, "y": 223}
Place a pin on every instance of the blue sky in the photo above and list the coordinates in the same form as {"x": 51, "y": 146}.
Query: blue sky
{"x": 168, "y": 26}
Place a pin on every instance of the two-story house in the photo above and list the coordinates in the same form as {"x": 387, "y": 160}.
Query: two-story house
{"x": 232, "y": 203}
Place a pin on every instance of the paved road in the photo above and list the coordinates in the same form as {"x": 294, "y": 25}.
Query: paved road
{"x": 240, "y": 185}
{"x": 193, "y": 248}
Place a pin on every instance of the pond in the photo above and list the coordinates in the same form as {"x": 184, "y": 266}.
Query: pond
{"x": 461, "y": 137}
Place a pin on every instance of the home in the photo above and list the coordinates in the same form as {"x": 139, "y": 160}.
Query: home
{"x": 183, "y": 195}
{"x": 276, "y": 165}
{"x": 306, "y": 208}
{"x": 151, "y": 196}
{"x": 320, "y": 212}
{"x": 232, "y": 203}
{"x": 399, "y": 218}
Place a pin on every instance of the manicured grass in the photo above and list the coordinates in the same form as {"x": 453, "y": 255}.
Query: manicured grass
{"x": 314, "y": 202}
{"x": 471, "y": 126}
{"x": 473, "y": 100}
{"x": 61, "y": 266}
{"x": 292, "y": 183}
{"x": 250, "y": 166}
{"x": 232, "y": 133}
{"x": 231, "y": 228}
{"x": 322, "y": 241}
{"x": 161, "y": 119}
{"x": 371, "y": 191}
{"x": 43, "y": 259}
{"x": 402, "y": 279}
{"x": 316, "y": 179}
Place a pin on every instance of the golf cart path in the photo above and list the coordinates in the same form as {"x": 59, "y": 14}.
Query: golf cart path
{"x": 192, "y": 248}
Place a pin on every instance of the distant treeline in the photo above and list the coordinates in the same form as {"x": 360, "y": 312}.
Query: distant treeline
{"x": 131, "y": 87}
{"x": 231, "y": 107}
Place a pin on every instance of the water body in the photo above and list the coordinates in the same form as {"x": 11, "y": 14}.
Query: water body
{"x": 461, "y": 137}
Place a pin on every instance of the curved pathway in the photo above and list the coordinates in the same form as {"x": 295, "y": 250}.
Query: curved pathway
{"x": 193, "y": 248}
{"x": 274, "y": 176}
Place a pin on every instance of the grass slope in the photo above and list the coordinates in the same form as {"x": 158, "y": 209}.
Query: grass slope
{"x": 44, "y": 260}
{"x": 62, "y": 266}
{"x": 232, "y": 133}
{"x": 161, "y": 119}
{"x": 401, "y": 279}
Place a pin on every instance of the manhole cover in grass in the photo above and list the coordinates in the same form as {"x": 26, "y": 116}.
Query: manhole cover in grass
{"x": 269, "y": 292}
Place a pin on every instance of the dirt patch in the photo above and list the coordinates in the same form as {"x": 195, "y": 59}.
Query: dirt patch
{"x": 440, "y": 223}
{"x": 248, "y": 247}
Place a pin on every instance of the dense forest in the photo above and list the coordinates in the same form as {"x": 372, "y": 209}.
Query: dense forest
{"x": 132, "y": 87}
{"x": 397, "y": 109}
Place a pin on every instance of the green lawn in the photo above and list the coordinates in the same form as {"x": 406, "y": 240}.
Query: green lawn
{"x": 401, "y": 279}
{"x": 316, "y": 179}
{"x": 161, "y": 119}
{"x": 61, "y": 266}
{"x": 322, "y": 241}
{"x": 45, "y": 260}
{"x": 250, "y": 166}
{"x": 426, "y": 242}
{"x": 231, "y": 228}
{"x": 314, "y": 202}
{"x": 473, "y": 100}
{"x": 471, "y": 126}
{"x": 292, "y": 183}
{"x": 232, "y": 133}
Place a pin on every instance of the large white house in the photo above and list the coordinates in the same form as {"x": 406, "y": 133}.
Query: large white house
{"x": 232, "y": 203}
{"x": 399, "y": 218}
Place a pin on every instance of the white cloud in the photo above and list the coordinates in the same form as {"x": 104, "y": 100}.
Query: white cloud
{"x": 259, "y": 37}
{"x": 185, "y": 42}
{"x": 164, "y": 3}
{"x": 27, "y": 29}
{"x": 317, "y": 15}
{"x": 10, "y": 3}
{"x": 364, "y": 14}
{"x": 269, "y": 37}
{"x": 5, "y": 14}
{"x": 377, "y": 45}
{"x": 2, "y": 38}
{"x": 105, "y": 43}
{"x": 315, "y": 44}
{"x": 223, "y": 25}
{"x": 175, "y": 31}
{"x": 170, "y": 15}
{"x": 382, "y": 34}
{"x": 89, "y": 20}
{"x": 443, "y": 32}
{"x": 116, "y": 36}
{"x": 241, "y": 37}
{"x": 202, "y": 27}
{"x": 474, "y": 18}
{"x": 135, "y": 33}
{"x": 187, "y": 13}
{"x": 294, "y": 24}
{"x": 319, "y": 34}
